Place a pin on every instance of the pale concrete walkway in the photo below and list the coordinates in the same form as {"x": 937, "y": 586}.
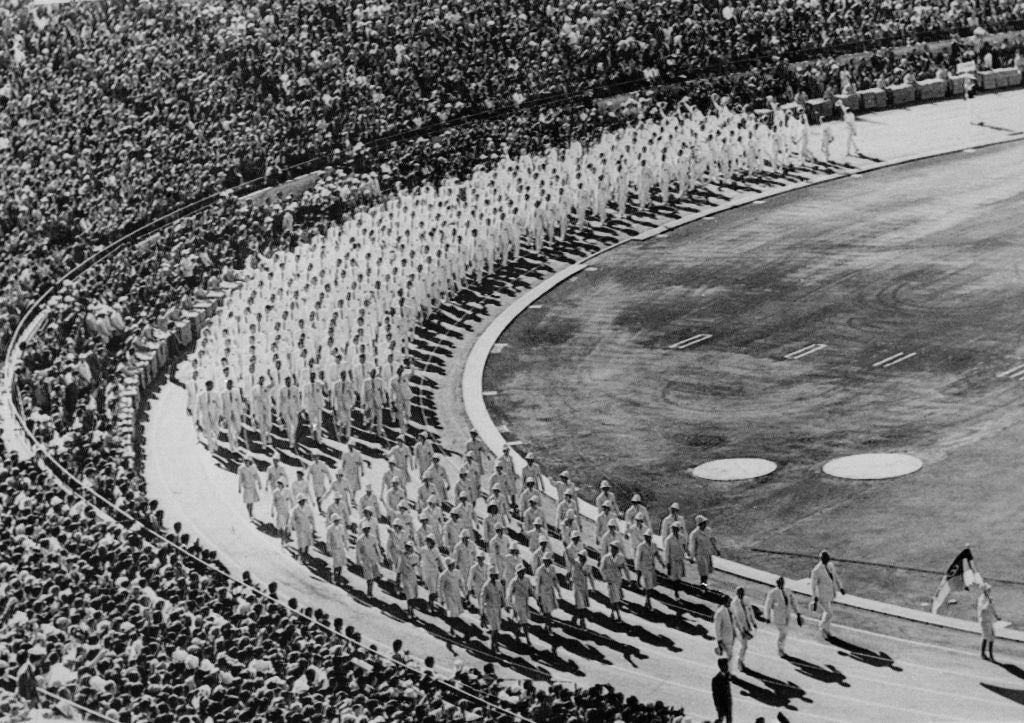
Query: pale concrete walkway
{"x": 661, "y": 655}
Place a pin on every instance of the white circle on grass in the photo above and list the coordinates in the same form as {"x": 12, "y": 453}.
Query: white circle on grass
{"x": 737, "y": 468}
{"x": 872, "y": 466}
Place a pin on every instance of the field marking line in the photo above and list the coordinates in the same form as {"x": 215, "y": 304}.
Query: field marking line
{"x": 793, "y": 354}
{"x": 907, "y": 641}
{"x": 882, "y": 362}
{"x": 690, "y": 341}
{"x": 1008, "y": 372}
{"x": 805, "y": 351}
{"x": 1017, "y": 375}
{"x": 893, "y": 363}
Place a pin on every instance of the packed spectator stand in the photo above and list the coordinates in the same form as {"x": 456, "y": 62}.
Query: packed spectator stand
{"x": 115, "y": 114}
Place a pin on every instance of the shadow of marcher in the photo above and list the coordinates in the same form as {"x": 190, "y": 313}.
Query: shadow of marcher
{"x": 864, "y": 655}
{"x": 824, "y": 673}
{"x": 783, "y": 692}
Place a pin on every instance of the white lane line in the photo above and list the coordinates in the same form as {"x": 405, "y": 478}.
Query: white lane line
{"x": 891, "y": 361}
{"x": 793, "y": 354}
{"x": 805, "y": 351}
{"x": 864, "y": 676}
{"x": 690, "y": 341}
{"x": 888, "y": 359}
{"x": 1017, "y": 376}
{"x": 498, "y": 348}
{"x": 491, "y": 393}
{"x": 683, "y": 660}
{"x": 1012, "y": 370}
{"x": 535, "y": 306}
{"x": 902, "y": 359}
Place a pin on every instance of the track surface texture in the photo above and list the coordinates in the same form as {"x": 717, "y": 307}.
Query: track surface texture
{"x": 923, "y": 258}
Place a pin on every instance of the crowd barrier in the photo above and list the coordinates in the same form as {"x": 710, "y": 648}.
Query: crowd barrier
{"x": 999, "y": 78}
{"x": 932, "y": 89}
{"x": 872, "y": 99}
{"x": 902, "y": 94}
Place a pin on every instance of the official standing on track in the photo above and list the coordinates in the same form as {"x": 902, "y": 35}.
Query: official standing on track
{"x": 987, "y": 617}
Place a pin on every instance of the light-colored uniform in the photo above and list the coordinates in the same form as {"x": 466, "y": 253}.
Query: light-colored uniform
{"x": 744, "y": 623}
{"x": 368, "y": 556}
{"x": 613, "y": 567}
{"x": 825, "y": 585}
{"x": 492, "y": 600}
{"x": 644, "y": 561}
{"x": 702, "y": 547}
{"x": 779, "y": 607}
{"x": 675, "y": 557}
{"x": 547, "y": 588}
{"x": 336, "y": 541}
{"x": 520, "y": 590}
{"x": 987, "y": 617}
{"x": 301, "y": 522}
{"x": 249, "y": 480}
{"x": 724, "y": 632}
{"x": 451, "y": 588}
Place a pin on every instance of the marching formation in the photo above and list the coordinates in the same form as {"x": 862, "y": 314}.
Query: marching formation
{"x": 329, "y": 324}
{"x": 483, "y": 542}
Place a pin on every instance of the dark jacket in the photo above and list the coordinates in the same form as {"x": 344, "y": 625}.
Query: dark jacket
{"x": 721, "y": 691}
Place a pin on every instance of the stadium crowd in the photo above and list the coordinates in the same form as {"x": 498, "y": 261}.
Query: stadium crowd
{"x": 113, "y": 113}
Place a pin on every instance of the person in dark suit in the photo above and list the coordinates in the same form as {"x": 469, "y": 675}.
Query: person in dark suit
{"x": 27, "y": 684}
{"x": 721, "y": 692}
